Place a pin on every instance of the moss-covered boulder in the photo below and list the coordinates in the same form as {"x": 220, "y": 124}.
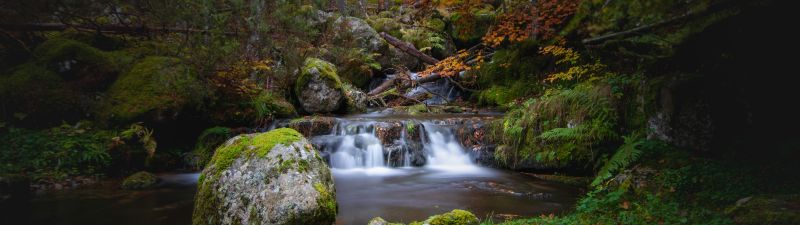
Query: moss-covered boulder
{"x": 156, "y": 88}
{"x": 455, "y": 217}
{"x": 32, "y": 94}
{"x": 275, "y": 177}
{"x": 140, "y": 180}
{"x": 385, "y": 24}
{"x": 74, "y": 60}
{"x": 766, "y": 210}
{"x": 318, "y": 87}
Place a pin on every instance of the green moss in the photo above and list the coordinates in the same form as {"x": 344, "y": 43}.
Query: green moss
{"x": 208, "y": 141}
{"x": 326, "y": 70}
{"x": 417, "y": 109}
{"x": 250, "y": 146}
{"x": 386, "y": 24}
{"x": 561, "y": 128}
{"x": 268, "y": 105}
{"x": 258, "y": 145}
{"x": 37, "y": 93}
{"x": 60, "y": 49}
{"x": 767, "y": 210}
{"x": 455, "y": 217}
{"x": 266, "y": 141}
{"x": 326, "y": 200}
{"x": 155, "y": 84}
{"x": 355, "y": 65}
{"x": 140, "y": 180}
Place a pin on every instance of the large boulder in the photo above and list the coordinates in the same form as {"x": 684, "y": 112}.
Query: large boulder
{"x": 365, "y": 37}
{"x": 318, "y": 87}
{"x": 359, "y": 31}
{"x": 157, "y": 88}
{"x": 275, "y": 177}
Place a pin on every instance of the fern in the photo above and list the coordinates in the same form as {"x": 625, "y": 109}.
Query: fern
{"x": 628, "y": 153}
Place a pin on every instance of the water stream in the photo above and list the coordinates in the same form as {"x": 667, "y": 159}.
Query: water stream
{"x": 402, "y": 168}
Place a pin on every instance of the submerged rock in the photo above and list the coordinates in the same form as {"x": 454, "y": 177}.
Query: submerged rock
{"x": 140, "y": 180}
{"x": 318, "y": 87}
{"x": 275, "y": 177}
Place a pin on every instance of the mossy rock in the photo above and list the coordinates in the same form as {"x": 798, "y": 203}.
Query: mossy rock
{"x": 33, "y": 94}
{"x": 275, "y": 177}
{"x": 766, "y": 210}
{"x": 156, "y": 88}
{"x": 455, "y": 217}
{"x": 381, "y": 221}
{"x": 75, "y": 60}
{"x": 208, "y": 141}
{"x": 270, "y": 105}
{"x": 318, "y": 87}
{"x": 388, "y": 25}
{"x": 140, "y": 180}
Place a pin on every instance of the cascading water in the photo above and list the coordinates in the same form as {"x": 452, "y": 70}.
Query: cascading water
{"x": 381, "y": 144}
{"x": 353, "y": 145}
{"x": 443, "y": 149}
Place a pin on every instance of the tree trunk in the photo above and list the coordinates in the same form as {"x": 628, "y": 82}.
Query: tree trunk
{"x": 409, "y": 48}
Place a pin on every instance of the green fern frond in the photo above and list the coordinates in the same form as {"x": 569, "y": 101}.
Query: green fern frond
{"x": 627, "y": 154}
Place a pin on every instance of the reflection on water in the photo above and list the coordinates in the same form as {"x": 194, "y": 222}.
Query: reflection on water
{"x": 409, "y": 194}
{"x": 169, "y": 203}
{"x": 396, "y": 194}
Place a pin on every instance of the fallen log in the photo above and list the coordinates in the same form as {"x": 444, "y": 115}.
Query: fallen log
{"x": 408, "y": 48}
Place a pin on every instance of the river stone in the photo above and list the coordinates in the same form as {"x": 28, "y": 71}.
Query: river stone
{"x": 140, "y": 180}
{"x": 275, "y": 177}
{"x": 318, "y": 87}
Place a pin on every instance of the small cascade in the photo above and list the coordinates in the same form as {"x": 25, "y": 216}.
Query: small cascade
{"x": 391, "y": 142}
{"x": 443, "y": 148}
{"x": 443, "y": 91}
{"x": 354, "y": 145}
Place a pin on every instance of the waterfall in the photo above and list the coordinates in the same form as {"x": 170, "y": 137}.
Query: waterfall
{"x": 443, "y": 148}
{"x": 356, "y": 146}
{"x": 368, "y": 144}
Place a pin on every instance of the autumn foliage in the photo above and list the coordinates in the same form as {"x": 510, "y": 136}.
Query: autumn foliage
{"x": 541, "y": 19}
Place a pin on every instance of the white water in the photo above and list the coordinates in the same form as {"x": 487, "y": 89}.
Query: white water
{"x": 355, "y": 146}
{"x": 362, "y": 150}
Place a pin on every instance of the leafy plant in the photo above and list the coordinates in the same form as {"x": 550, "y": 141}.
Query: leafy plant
{"x": 627, "y": 154}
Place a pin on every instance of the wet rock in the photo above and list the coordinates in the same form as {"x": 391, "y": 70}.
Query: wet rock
{"x": 356, "y": 99}
{"x": 275, "y": 177}
{"x": 312, "y": 125}
{"x": 377, "y": 221}
{"x": 139, "y": 180}
{"x": 318, "y": 87}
